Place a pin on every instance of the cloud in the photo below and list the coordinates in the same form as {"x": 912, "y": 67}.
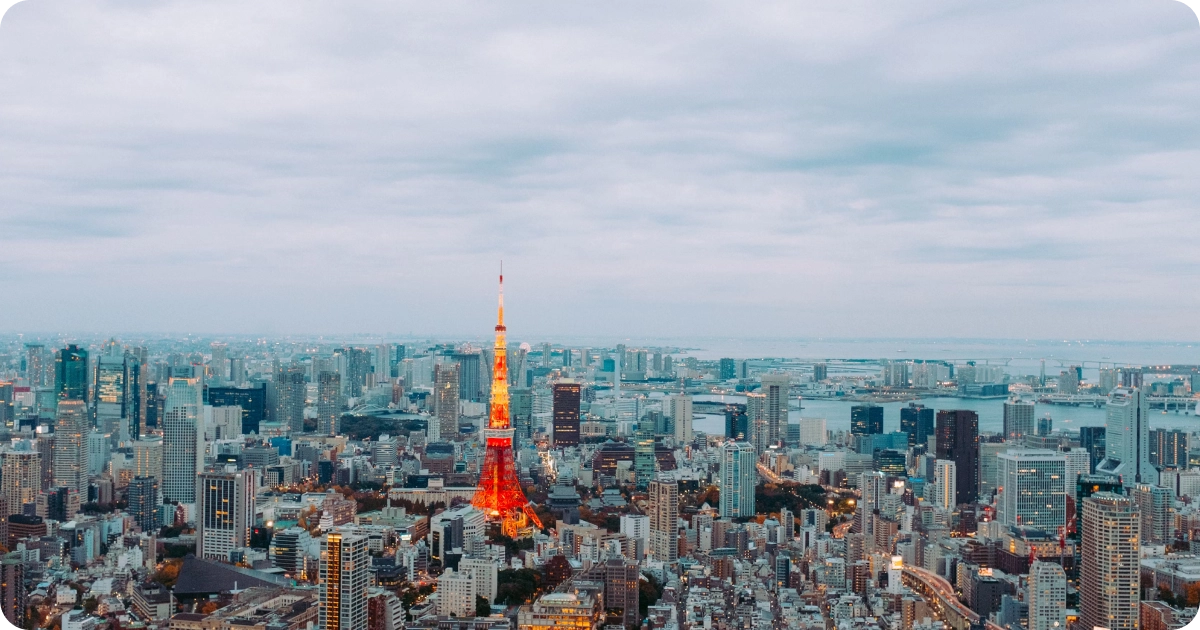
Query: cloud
{"x": 835, "y": 168}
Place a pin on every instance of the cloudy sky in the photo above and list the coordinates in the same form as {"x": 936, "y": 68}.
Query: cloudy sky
{"x": 869, "y": 169}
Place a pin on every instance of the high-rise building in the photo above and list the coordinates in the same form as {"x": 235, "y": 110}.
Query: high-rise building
{"x": 1032, "y": 489}
{"x": 218, "y": 365}
{"x": 148, "y": 457}
{"x": 329, "y": 402}
{"x": 70, "y": 446}
{"x": 71, "y": 373}
{"x": 521, "y": 403}
{"x": 291, "y": 392}
{"x": 1047, "y": 597}
{"x": 252, "y": 401}
{"x": 344, "y": 578}
{"x": 945, "y": 480}
{"x": 470, "y": 386}
{"x": 1093, "y": 439}
{"x": 35, "y": 364}
{"x": 681, "y": 414}
{"x": 98, "y": 453}
{"x": 224, "y": 512}
{"x": 8, "y": 413}
{"x": 14, "y": 598}
{"x": 1157, "y": 506}
{"x": 664, "y": 520}
{"x": 445, "y": 399}
{"x": 143, "y": 503}
{"x": 1018, "y": 419}
{"x": 643, "y": 454}
{"x": 566, "y": 413}
{"x": 456, "y": 594}
{"x": 820, "y": 372}
{"x": 737, "y": 422}
{"x": 917, "y": 421}
{"x": 1109, "y": 575}
{"x": 1168, "y": 448}
{"x": 738, "y": 478}
{"x": 957, "y": 439}
{"x": 727, "y": 369}
{"x": 866, "y": 419}
{"x": 1127, "y": 438}
{"x": 287, "y": 551}
{"x": 183, "y": 441}
{"x": 776, "y": 387}
{"x": 20, "y": 479}
{"x": 813, "y": 432}
{"x": 109, "y": 395}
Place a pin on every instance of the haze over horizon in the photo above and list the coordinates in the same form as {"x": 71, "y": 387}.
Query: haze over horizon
{"x": 940, "y": 170}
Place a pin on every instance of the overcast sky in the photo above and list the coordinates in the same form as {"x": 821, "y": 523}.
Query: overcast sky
{"x": 868, "y": 169}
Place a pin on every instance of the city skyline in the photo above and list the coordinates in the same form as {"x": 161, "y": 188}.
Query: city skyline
{"x": 797, "y": 173}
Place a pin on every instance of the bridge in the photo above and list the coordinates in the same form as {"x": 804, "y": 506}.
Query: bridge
{"x": 940, "y": 596}
{"x": 1186, "y": 404}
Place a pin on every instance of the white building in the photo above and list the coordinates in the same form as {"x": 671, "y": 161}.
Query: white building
{"x": 738, "y": 478}
{"x": 944, "y": 483}
{"x": 456, "y": 594}
{"x": 680, "y": 410}
{"x": 1047, "y": 597}
{"x": 486, "y": 574}
{"x": 813, "y": 432}
{"x": 224, "y": 512}
{"x": 182, "y": 439}
{"x": 1127, "y": 438}
{"x": 1032, "y": 489}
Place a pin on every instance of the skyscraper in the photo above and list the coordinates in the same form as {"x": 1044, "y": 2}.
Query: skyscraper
{"x": 866, "y": 419}
{"x": 727, "y": 369}
{"x": 1156, "y": 505}
{"x": 1018, "y": 419}
{"x": 329, "y": 402}
{"x": 776, "y": 388}
{"x": 143, "y": 503}
{"x": 1168, "y": 448}
{"x": 109, "y": 394}
{"x": 20, "y": 479}
{"x": 445, "y": 399}
{"x": 945, "y": 479}
{"x": 224, "y": 512}
{"x": 1127, "y": 438}
{"x": 1093, "y": 439}
{"x": 737, "y": 422}
{"x": 470, "y": 387}
{"x": 71, "y": 373}
{"x": 957, "y": 437}
{"x": 566, "y": 413}
{"x": 1047, "y": 597}
{"x": 1032, "y": 489}
{"x": 7, "y": 404}
{"x": 182, "y": 439}
{"x": 70, "y": 446}
{"x": 681, "y": 414}
{"x": 738, "y": 478}
{"x": 917, "y": 421}
{"x": 218, "y": 365}
{"x": 1109, "y": 576}
{"x": 521, "y": 403}
{"x": 664, "y": 520}
{"x": 643, "y": 454}
{"x": 344, "y": 579}
{"x": 35, "y": 364}
{"x": 291, "y": 392}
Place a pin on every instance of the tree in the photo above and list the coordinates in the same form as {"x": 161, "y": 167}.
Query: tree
{"x": 482, "y": 607}
{"x": 517, "y": 586}
{"x": 649, "y": 590}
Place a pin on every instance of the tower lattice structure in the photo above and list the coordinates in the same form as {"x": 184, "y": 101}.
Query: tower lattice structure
{"x": 499, "y": 494}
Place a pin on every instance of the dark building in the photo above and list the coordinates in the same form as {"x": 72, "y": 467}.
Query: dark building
{"x": 957, "y": 437}
{"x": 252, "y": 400}
{"x": 891, "y": 463}
{"x": 728, "y": 369}
{"x": 154, "y": 405}
{"x": 866, "y": 419}
{"x": 59, "y": 502}
{"x": 143, "y": 502}
{"x": 71, "y": 373}
{"x": 520, "y": 405}
{"x": 1092, "y": 439}
{"x": 14, "y": 599}
{"x": 1168, "y": 448}
{"x": 820, "y": 371}
{"x": 917, "y": 421}
{"x": 737, "y": 423}
{"x": 22, "y": 526}
{"x": 566, "y": 413}
{"x": 620, "y": 577}
{"x": 604, "y": 462}
{"x": 469, "y": 385}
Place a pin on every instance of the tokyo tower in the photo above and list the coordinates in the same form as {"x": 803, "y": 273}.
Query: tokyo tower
{"x": 499, "y": 495}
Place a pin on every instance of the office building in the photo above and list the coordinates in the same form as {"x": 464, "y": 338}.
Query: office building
{"x": 224, "y": 512}
{"x": 680, "y": 408}
{"x": 957, "y": 439}
{"x": 726, "y": 369}
{"x": 1047, "y": 597}
{"x": 917, "y": 421}
{"x": 1092, "y": 439}
{"x": 456, "y": 594}
{"x": 1110, "y": 571}
{"x": 1018, "y": 419}
{"x": 776, "y": 388}
{"x": 1033, "y": 489}
{"x": 287, "y": 551}
{"x": 866, "y": 419}
{"x": 737, "y": 422}
{"x": 35, "y": 364}
{"x": 445, "y": 401}
{"x": 1168, "y": 448}
{"x": 14, "y": 598}
{"x": 470, "y": 385}
{"x": 813, "y": 432}
{"x": 291, "y": 391}
{"x": 566, "y": 413}
{"x": 109, "y": 396}
{"x": 251, "y": 400}
{"x": 575, "y": 610}
{"x": 738, "y": 478}
{"x": 329, "y": 402}
{"x": 71, "y": 373}
{"x": 643, "y": 454}
{"x": 344, "y": 578}
{"x": 20, "y": 480}
{"x": 142, "y": 495}
{"x": 183, "y": 443}
{"x": 70, "y": 446}
{"x": 945, "y": 481}
{"x": 1127, "y": 438}
{"x": 664, "y": 520}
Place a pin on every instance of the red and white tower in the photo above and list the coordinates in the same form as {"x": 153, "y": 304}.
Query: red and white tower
{"x": 499, "y": 495}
